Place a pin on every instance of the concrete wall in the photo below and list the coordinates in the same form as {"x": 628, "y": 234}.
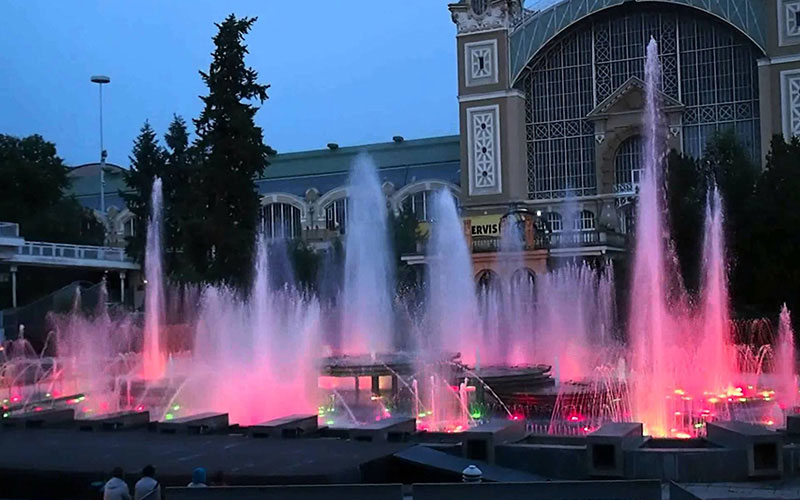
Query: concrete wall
{"x": 315, "y": 492}
{"x": 588, "y": 490}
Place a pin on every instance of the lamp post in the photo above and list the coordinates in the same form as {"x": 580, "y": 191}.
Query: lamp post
{"x": 100, "y": 80}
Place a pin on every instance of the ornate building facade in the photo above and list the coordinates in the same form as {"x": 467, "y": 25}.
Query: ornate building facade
{"x": 550, "y": 106}
{"x": 551, "y": 101}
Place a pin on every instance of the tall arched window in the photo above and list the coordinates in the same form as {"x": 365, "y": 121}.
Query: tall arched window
{"x": 419, "y": 204}
{"x": 584, "y": 221}
{"x": 487, "y": 280}
{"x": 129, "y": 227}
{"x": 281, "y": 220}
{"x": 336, "y": 215}
{"x": 555, "y": 221}
{"x": 628, "y": 165}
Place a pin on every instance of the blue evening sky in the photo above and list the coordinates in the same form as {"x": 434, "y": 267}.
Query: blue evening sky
{"x": 352, "y": 72}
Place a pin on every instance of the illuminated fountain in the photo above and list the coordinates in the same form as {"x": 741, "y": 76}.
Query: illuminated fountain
{"x": 154, "y": 360}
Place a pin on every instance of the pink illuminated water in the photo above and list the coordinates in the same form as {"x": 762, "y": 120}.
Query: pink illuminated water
{"x": 785, "y": 362}
{"x": 154, "y": 360}
{"x": 369, "y": 274}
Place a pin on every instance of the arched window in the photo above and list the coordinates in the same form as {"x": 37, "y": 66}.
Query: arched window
{"x": 336, "y": 215}
{"x": 281, "y": 220}
{"x": 584, "y": 221}
{"x": 479, "y": 6}
{"x": 419, "y": 204}
{"x": 129, "y": 227}
{"x": 523, "y": 277}
{"x": 555, "y": 221}
{"x": 628, "y": 165}
{"x": 487, "y": 280}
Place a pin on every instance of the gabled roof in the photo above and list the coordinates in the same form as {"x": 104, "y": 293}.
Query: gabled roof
{"x": 613, "y": 103}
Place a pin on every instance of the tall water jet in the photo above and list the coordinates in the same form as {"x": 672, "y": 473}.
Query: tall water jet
{"x": 718, "y": 370}
{"x": 649, "y": 322}
{"x": 154, "y": 359}
{"x": 785, "y": 370}
{"x": 254, "y": 358}
{"x": 451, "y": 305}
{"x": 367, "y": 325}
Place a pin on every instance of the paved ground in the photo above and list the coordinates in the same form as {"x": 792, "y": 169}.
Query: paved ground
{"x": 74, "y": 459}
{"x": 750, "y": 491}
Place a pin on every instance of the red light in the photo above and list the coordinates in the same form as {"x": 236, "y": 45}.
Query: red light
{"x": 38, "y": 408}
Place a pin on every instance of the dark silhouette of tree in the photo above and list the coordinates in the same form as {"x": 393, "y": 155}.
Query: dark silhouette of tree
{"x": 148, "y": 161}
{"x": 230, "y": 155}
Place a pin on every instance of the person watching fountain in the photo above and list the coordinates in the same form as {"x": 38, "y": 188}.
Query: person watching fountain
{"x": 198, "y": 478}
{"x": 147, "y": 488}
{"x": 116, "y": 488}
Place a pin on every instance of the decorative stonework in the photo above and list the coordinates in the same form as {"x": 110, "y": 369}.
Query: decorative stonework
{"x": 489, "y": 15}
{"x": 481, "y": 63}
{"x": 789, "y": 22}
{"x": 483, "y": 146}
{"x": 790, "y": 102}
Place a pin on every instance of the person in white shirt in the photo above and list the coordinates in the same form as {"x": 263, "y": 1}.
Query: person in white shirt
{"x": 116, "y": 488}
{"x": 147, "y": 488}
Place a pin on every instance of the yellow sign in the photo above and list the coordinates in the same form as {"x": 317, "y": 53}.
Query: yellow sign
{"x": 480, "y": 225}
{"x": 485, "y": 225}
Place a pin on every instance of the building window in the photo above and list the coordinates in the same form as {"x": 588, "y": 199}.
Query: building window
{"x": 628, "y": 165}
{"x": 281, "y": 220}
{"x": 129, "y": 227}
{"x": 706, "y": 64}
{"x": 419, "y": 205}
{"x": 523, "y": 277}
{"x": 626, "y": 217}
{"x": 555, "y": 222}
{"x": 487, "y": 280}
{"x": 584, "y": 221}
{"x": 336, "y": 215}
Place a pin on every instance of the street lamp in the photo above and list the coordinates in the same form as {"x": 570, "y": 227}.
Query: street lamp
{"x": 100, "y": 80}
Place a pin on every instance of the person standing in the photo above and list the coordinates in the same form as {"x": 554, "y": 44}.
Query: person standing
{"x": 116, "y": 488}
{"x": 147, "y": 488}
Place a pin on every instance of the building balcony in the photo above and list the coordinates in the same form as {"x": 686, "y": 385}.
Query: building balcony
{"x": 558, "y": 241}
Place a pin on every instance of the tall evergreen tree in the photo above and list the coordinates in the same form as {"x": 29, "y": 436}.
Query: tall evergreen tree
{"x": 231, "y": 154}
{"x": 181, "y": 214}
{"x": 147, "y": 163}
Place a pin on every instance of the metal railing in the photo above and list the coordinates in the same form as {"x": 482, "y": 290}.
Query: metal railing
{"x": 9, "y": 230}
{"x": 567, "y": 239}
{"x": 67, "y": 251}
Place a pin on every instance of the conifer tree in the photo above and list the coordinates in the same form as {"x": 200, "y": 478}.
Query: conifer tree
{"x": 231, "y": 154}
{"x": 147, "y": 163}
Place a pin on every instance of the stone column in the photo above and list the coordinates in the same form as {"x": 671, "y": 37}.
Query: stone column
{"x": 122, "y": 287}
{"x": 14, "y": 286}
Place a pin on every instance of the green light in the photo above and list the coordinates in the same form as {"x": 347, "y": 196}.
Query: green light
{"x": 5, "y": 415}
{"x": 422, "y": 415}
{"x": 169, "y": 416}
{"x": 329, "y": 422}
{"x": 47, "y": 395}
{"x": 81, "y": 398}
{"x": 430, "y": 412}
{"x": 476, "y": 414}
{"x": 176, "y": 407}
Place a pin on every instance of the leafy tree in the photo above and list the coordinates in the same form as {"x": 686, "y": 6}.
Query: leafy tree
{"x": 775, "y": 240}
{"x": 686, "y": 198}
{"x": 231, "y": 154}
{"x": 147, "y": 163}
{"x": 729, "y": 165}
{"x": 404, "y": 232}
{"x": 33, "y": 193}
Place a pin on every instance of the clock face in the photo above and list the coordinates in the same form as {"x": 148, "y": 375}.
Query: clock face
{"x": 479, "y": 6}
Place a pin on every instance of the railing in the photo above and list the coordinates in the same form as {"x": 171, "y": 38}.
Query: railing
{"x": 9, "y": 230}
{"x": 569, "y": 239}
{"x": 66, "y": 251}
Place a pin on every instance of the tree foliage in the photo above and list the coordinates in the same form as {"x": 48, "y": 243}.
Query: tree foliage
{"x": 34, "y": 194}
{"x": 773, "y": 231}
{"x": 230, "y": 155}
{"x": 148, "y": 161}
